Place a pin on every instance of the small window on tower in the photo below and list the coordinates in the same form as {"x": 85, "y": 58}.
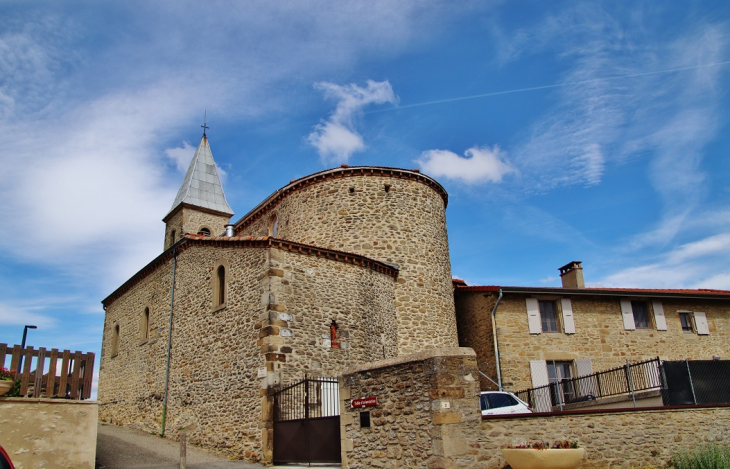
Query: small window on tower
{"x": 334, "y": 339}
{"x": 273, "y": 225}
{"x": 115, "y": 341}
{"x": 220, "y": 286}
{"x": 204, "y": 231}
{"x": 172, "y": 237}
{"x": 145, "y": 325}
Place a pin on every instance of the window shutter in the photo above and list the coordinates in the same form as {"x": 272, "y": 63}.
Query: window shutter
{"x": 586, "y": 386}
{"x": 533, "y": 316}
{"x": 659, "y": 319}
{"x": 701, "y": 324}
{"x": 568, "y": 323}
{"x": 628, "y": 315}
{"x": 538, "y": 371}
{"x": 541, "y": 401}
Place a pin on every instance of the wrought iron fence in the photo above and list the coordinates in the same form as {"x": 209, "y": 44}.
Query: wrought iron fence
{"x": 677, "y": 383}
{"x": 624, "y": 380}
{"x": 307, "y": 399}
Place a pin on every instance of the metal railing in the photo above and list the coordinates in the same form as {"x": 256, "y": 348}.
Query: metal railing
{"x": 624, "y": 380}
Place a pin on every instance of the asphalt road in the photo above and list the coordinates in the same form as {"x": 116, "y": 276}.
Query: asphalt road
{"x": 124, "y": 448}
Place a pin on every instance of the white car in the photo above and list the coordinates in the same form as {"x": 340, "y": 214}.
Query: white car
{"x": 502, "y": 403}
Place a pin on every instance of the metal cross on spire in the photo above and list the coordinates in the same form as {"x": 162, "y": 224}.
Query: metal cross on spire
{"x": 204, "y": 126}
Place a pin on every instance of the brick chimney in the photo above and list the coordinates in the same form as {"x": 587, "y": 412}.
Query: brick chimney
{"x": 572, "y": 275}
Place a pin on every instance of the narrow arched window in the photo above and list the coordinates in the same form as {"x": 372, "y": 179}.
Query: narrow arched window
{"x": 145, "y": 325}
{"x": 172, "y": 237}
{"x": 115, "y": 341}
{"x": 221, "y": 284}
{"x": 204, "y": 231}
{"x": 273, "y": 225}
{"x": 334, "y": 338}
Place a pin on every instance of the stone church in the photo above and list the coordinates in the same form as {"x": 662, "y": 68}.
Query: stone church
{"x": 342, "y": 267}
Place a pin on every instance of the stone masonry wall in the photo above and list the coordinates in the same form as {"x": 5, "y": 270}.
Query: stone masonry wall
{"x": 426, "y": 405}
{"x": 214, "y": 388}
{"x": 411, "y": 426}
{"x": 307, "y": 293}
{"x": 278, "y": 309}
{"x": 474, "y": 320}
{"x": 392, "y": 219}
{"x": 599, "y": 334}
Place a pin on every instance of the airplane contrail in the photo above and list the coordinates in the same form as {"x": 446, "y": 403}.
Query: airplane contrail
{"x": 544, "y": 87}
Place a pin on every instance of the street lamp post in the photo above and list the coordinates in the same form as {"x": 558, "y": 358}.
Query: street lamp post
{"x": 22, "y": 347}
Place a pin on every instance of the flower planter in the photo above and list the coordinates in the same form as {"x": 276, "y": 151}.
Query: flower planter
{"x": 6, "y": 387}
{"x": 526, "y": 458}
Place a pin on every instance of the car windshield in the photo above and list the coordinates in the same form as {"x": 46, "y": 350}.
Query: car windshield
{"x": 501, "y": 400}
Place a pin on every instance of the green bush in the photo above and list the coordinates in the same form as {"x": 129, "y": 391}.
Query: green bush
{"x": 709, "y": 456}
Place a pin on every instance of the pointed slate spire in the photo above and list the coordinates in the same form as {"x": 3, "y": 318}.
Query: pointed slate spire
{"x": 202, "y": 186}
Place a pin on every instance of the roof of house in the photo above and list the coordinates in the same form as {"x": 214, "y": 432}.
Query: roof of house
{"x": 201, "y": 186}
{"x": 460, "y": 286}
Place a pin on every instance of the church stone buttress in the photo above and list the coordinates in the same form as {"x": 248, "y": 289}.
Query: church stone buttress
{"x": 200, "y": 205}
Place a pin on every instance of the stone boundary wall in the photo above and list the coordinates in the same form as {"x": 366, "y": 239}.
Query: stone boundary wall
{"x": 427, "y": 415}
{"x": 427, "y": 407}
{"x": 49, "y": 433}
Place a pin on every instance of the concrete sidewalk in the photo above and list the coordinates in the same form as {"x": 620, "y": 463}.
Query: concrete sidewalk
{"x": 124, "y": 448}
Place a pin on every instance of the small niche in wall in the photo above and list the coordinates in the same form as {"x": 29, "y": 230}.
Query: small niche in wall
{"x": 387, "y": 188}
{"x": 352, "y": 190}
{"x": 364, "y": 419}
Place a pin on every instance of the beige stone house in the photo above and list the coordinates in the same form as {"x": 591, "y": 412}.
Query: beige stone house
{"x": 528, "y": 337}
{"x": 337, "y": 269}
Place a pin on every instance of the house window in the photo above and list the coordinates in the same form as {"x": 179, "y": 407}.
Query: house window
{"x": 548, "y": 316}
{"x": 145, "y": 325}
{"x": 220, "y": 286}
{"x": 115, "y": 341}
{"x": 641, "y": 314}
{"x": 204, "y": 231}
{"x": 559, "y": 375}
{"x": 686, "y": 320}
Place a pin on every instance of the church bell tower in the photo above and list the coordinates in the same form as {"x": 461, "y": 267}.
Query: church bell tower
{"x": 200, "y": 206}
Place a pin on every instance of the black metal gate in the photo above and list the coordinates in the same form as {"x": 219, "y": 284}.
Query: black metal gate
{"x": 307, "y": 422}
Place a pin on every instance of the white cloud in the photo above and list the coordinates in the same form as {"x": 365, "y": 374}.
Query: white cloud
{"x": 699, "y": 264}
{"x": 336, "y": 139}
{"x": 181, "y": 156}
{"x": 480, "y": 164}
{"x": 614, "y": 103}
{"x": 14, "y": 316}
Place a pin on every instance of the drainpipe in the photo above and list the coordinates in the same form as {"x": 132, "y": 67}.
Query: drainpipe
{"x": 494, "y": 337}
{"x": 169, "y": 341}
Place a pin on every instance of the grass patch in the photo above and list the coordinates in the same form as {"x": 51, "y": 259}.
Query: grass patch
{"x": 709, "y": 456}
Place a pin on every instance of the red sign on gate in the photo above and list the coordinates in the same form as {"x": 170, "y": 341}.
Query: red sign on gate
{"x": 365, "y": 402}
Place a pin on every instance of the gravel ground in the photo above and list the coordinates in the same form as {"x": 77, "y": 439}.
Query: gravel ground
{"x": 124, "y": 448}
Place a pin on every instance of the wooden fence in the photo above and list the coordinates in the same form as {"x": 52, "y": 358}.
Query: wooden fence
{"x": 71, "y": 380}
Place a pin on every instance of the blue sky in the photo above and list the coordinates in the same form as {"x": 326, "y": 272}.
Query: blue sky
{"x": 581, "y": 130}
